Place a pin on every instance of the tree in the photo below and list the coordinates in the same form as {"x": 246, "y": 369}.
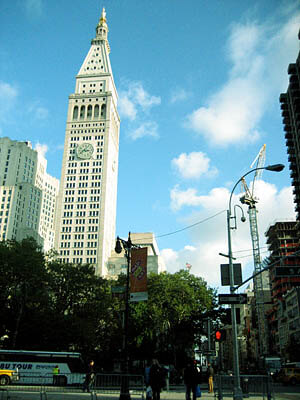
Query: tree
{"x": 81, "y": 306}
{"x": 168, "y": 323}
{"x": 23, "y": 288}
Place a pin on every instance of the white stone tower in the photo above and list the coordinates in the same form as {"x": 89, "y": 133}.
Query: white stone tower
{"x": 86, "y": 212}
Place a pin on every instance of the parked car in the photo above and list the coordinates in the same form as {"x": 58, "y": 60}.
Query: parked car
{"x": 289, "y": 376}
{"x": 7, "y": 376}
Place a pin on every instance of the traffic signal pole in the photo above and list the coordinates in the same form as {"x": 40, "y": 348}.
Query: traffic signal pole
{"x": 209, "y": 340}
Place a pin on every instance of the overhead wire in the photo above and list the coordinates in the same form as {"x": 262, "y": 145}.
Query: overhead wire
{"x": 191, "y": 226}
{"x": 201, "y": 222}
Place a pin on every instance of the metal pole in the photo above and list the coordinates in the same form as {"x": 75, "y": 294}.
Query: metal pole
{"x": 237, "y": 391}
{"x": 209, "y": 340}
{"x": 125, "y": 394}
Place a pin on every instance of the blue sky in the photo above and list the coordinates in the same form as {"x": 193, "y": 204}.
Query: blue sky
{"x": 199, "y": 84}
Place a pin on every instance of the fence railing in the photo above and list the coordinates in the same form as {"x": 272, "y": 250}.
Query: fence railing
{"x": 102, "y": 383}
{"x": 251, "y": 385}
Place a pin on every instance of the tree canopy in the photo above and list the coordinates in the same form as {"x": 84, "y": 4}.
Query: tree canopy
{"x": 47, "y": 305}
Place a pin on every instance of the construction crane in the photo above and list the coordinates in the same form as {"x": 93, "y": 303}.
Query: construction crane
{"x": 249, "y": 199}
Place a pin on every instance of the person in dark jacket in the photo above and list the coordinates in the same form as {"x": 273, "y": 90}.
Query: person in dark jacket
{"x": 192, "y": 378}
{"x": 156, "y": 379}
{"x": 89, "y": 377}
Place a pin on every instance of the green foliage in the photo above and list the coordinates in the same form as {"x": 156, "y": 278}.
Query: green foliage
{"x": 47, "y": 305}
{"x": 169, "y": 322}
{"x": 23, "y": 281}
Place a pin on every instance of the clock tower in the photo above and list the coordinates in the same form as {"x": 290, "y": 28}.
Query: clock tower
{"x": 86, "y": 211}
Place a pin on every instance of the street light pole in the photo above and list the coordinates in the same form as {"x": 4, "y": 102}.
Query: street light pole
{"x": 237, "y": 391}
{"x": 126, "y": 245}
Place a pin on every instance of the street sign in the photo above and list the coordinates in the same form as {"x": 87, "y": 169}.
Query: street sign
{"x": 118, "y": 289}
{"x": 233, "y": 298}
{"x": 209, "y": 353}
{"x": 287, "y": 271}
{"x": 237, "y": 274}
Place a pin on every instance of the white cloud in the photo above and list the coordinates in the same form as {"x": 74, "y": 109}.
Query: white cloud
{"x": 135, "y": 99}
{"x": 171, "y": 259}
{"x": 209, "y": 238}
{"x": 232, "y": 114}
{"x": 145, "y": 129}
{"x": 127, "y": 107}
{"x": 193, "y": 165}
{"x": 37, "y": 111}
{"x": 134, "y": 104}
{"x": 179, "y": 95}
{"x": 41, "y": 149}
{"x": 189, "y": 197}
{"x": 143, "y": 98}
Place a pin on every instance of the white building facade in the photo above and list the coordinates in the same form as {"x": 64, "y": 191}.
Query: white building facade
{"x": 86, "y": 210}
{"x": 27, "y": 194}
{"x": 117, "y": 263}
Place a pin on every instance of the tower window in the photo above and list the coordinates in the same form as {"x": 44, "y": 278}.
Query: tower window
{"x": 89, "y": 111}
{"x": 75, "y": 112}
{"x": 96, "y": 111}
{"x": 82, "y": 112}
{"x": 103, "y": 110}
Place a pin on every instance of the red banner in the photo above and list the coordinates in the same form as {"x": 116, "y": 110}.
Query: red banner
{"x": 138, "y": 275}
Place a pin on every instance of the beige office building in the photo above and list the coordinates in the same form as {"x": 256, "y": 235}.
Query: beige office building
{"x": 27, "y": 194}
{"x": 86, "y": 211}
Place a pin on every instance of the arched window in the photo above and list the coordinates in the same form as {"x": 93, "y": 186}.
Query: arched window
{"x": 96, "y": 111}
{"x": 103, "y": 111}
{"x": 89, "y": 111}
{"x": 82, "y": 112}
{"x": 75, "y": 112}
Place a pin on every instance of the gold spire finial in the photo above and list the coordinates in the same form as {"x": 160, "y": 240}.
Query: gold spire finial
{"x": 103, "y": 16}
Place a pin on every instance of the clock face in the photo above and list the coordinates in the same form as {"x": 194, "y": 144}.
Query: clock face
{"x": 85, "y": 151}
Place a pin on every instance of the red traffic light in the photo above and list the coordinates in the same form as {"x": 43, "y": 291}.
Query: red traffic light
{"x": 220, "y": 335}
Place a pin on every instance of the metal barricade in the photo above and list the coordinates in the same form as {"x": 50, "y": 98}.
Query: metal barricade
{"x": 4, "y": 394}
{"x": 251, "y": 385}
{"x": 112, "y": 384}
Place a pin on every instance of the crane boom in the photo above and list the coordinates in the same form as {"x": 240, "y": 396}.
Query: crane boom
{"x": 260, "y": 160}
{"x": 249, "y": 199}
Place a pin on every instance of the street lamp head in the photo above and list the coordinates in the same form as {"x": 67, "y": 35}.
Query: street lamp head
{"x": 275, "y": 167}
{"x": 243, "y": 219}
{"x": 118, "y": 248}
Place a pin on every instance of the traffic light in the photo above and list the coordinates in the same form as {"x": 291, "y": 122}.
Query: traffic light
{"x": 220, "y": 335}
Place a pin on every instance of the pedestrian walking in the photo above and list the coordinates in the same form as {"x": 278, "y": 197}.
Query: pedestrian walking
{"x": 55, "y": 373}
{"x": 156, "y": 379}
{"x": 210, "y": 372}
{"x": 89, "y": 377}
{"x": 191, "y": 378}
{"x": 147, "y": 381}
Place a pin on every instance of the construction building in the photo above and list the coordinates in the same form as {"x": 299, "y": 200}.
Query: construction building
{"x": 283, "y": 242}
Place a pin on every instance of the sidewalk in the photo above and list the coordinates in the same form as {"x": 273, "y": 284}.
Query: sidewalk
{"x": 180, "y": 395}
